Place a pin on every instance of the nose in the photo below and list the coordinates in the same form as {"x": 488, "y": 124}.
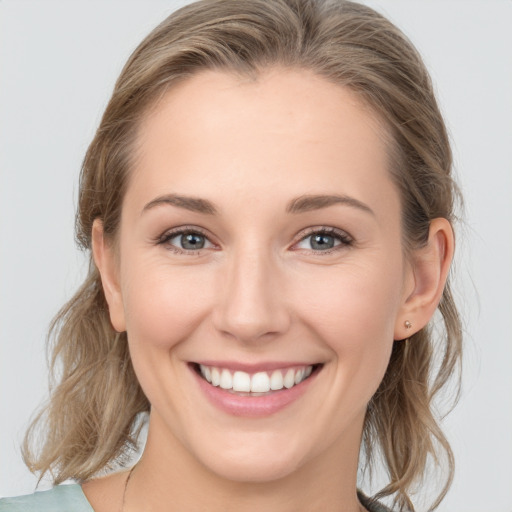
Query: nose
{"x": 251, "y": 303}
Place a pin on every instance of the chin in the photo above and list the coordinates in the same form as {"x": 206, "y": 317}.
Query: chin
{"x": 253, "y": 471}
{"x": 253, "y": 462}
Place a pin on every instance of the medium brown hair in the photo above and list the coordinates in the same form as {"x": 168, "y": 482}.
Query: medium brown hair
{"x": 96, "y": 398}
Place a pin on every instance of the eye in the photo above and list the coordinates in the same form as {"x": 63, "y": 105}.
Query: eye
{"x": 324, "y": 240}
{"x": 189, "y": 241}
{"x": 185, "y": 241}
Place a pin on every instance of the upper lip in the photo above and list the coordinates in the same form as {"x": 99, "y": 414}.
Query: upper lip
{"x": 254, "y": 367}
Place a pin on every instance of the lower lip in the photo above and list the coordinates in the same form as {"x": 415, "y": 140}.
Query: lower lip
{"x": 252, "y": 406}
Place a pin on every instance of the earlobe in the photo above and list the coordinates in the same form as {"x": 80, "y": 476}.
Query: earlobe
{"x": 429, "y": 267}
{"x": 105, "y": 260}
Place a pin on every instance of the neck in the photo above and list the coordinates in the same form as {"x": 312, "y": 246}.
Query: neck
{"x": 168, "y": 478}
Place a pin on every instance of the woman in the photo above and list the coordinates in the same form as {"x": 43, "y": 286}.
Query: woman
{"x": 268, "y": 206}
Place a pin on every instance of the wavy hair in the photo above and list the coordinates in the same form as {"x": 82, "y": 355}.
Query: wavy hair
{"x": 95, "y": 397}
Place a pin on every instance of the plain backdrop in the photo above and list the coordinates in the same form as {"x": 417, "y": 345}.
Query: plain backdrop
{"x": 58, "y": 64}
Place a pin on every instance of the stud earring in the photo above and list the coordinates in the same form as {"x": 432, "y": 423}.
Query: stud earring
{"x": 407, "y": 324}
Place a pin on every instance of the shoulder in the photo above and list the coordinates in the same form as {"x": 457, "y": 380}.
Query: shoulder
{"x": 62, "y": 498}
{"x": 370, "y": 504}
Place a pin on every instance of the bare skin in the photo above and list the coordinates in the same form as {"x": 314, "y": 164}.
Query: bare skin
{"x": 276, "y": 276}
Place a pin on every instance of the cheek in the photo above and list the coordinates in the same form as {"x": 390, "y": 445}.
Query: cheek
{"x": 353, "y": 310}
{"x": 163, "y": 305}
{"x": 361, "y": 298}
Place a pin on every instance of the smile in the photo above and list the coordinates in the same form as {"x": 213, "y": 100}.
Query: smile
{"x": 253, "y": 392}
{"x": 260, "y": 382}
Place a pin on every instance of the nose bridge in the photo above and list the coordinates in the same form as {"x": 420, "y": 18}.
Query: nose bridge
{"x": 251, "y": 304}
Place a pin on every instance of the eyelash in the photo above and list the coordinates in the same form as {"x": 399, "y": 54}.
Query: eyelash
{"x": 344, "y": 239}
{"x": 185, "y": 230}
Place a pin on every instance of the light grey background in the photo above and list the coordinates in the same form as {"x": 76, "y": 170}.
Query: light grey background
{"x": 58, "y": 64}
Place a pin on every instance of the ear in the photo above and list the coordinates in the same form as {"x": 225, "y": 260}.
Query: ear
{"x": 105, "y": 258}
{"x": 424, "y": 284}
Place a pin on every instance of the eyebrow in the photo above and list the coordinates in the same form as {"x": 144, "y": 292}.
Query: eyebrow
{"x": 300, "y": 204}
{"x": 307, "y": 203}
{"x": 194, "y": 204}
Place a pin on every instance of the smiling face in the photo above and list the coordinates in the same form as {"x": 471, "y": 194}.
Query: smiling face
{"x": 260, "y": 248}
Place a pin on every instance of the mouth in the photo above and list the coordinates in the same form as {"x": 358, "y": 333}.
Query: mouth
{"x": 256, "y": 384}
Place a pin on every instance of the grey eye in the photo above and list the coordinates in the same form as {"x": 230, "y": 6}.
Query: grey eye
{"x": 322, "y": 242}
{"x": 191, "y": 241}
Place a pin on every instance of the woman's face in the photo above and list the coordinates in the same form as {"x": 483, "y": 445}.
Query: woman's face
{"x": 260, "y": 248}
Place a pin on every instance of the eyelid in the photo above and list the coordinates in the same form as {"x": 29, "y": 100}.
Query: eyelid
{"x": 169, "y": 234}
{"x": 345, "y": 238}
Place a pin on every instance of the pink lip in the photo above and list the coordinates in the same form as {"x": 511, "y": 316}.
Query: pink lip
{"x": 254, "y": 367}
{"x": 252, "y": 406}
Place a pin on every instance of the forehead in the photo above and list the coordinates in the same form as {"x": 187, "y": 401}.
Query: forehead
{"x": 286, "y": 130}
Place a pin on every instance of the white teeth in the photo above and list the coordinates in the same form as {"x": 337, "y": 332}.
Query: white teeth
{"x": 241, "y": 381}
{"x": 260, "y": 383}
{"x": 207, "y": 373}
{"x": 289, "y": 379}
{"x": 276, "y": 380}
{"x": 226, "y": 380}
{"x": 215, "y": 377}
{"x": 299, "y": 376}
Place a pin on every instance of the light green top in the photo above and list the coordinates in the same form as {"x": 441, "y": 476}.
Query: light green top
{"x": 70, "y": 498}
{"x": 62, "y": 498}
